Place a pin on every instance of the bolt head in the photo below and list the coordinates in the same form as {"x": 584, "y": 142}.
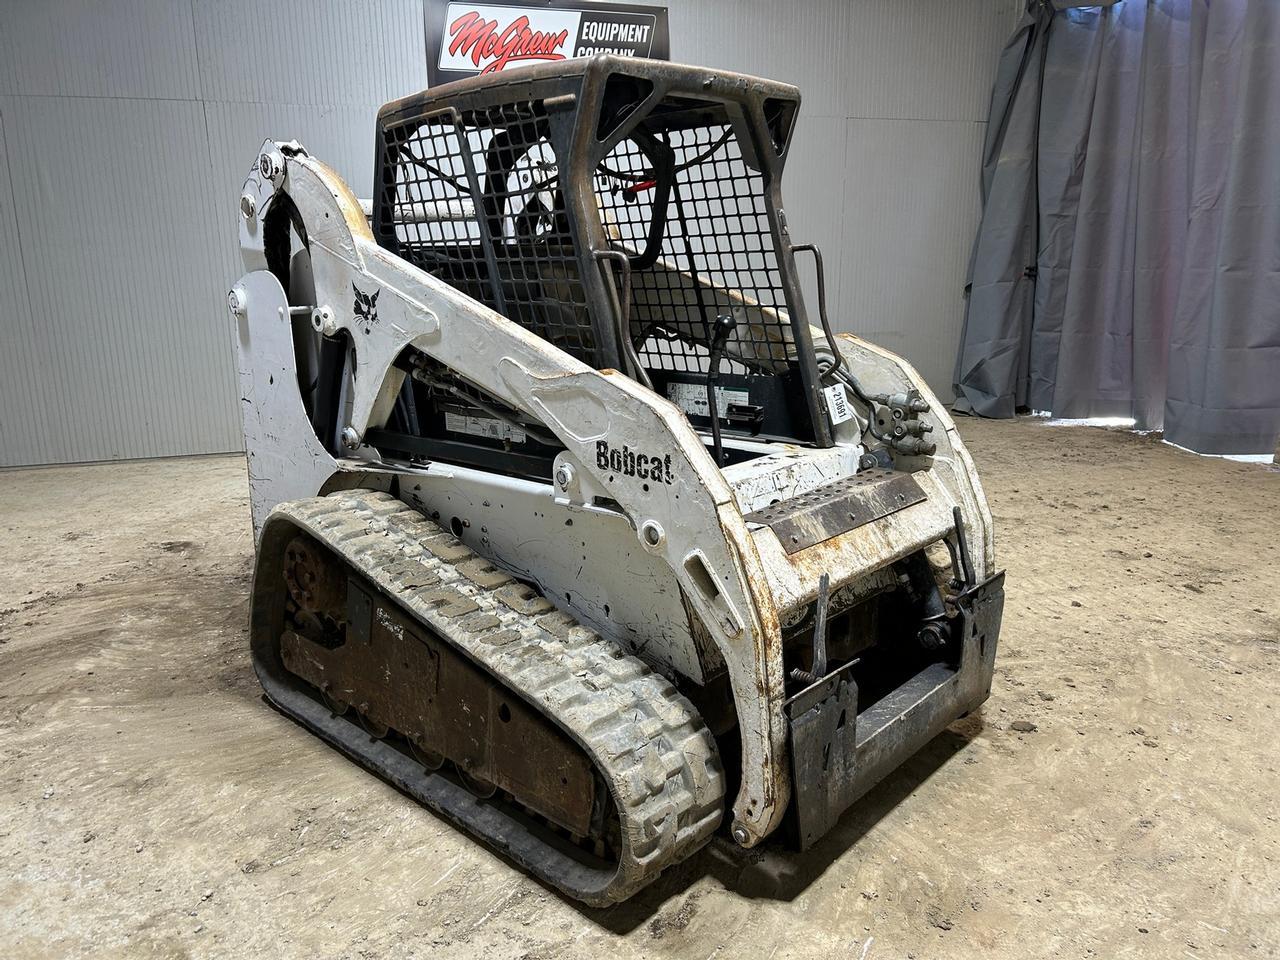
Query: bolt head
{"x": 740, "y": 835}
{"x": 350, "y": 438}
{"x": 932, "y": 636}
{"x": 237, "y": 300}
{"x": 564, "y": 476}
{"x": 323, "y": 320}
{"x": 271, "y": 166}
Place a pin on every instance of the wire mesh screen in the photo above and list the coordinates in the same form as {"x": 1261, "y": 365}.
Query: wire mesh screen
{"x": 710, "y": 254}
{"x": 431, "y": 210}
{"x": 507, "y": 242}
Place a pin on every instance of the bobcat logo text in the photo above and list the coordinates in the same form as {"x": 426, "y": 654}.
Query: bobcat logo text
{"x": 629, "y": 463}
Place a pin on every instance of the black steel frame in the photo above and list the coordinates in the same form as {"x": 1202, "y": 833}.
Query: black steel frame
{"x": 584, "y": 109}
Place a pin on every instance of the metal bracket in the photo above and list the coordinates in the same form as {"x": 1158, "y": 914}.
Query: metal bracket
{"x": 823, "y": 727}
{"x": 839, "y": 507}
{"x": 837, "y": 754}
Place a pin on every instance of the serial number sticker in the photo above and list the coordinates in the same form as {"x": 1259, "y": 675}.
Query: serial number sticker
{"x": 490, "y": 427}
{"x": 837, "y": 404}
{"x": 692, "y": 398}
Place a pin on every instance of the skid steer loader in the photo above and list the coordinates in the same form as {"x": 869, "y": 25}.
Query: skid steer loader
{"x": 569, "y": 523}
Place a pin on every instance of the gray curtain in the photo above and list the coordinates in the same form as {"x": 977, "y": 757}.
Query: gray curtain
{"x": 1128, "y": 259}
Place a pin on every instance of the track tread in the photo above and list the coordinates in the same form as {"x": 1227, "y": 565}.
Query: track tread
{"x": 652, "y": 747}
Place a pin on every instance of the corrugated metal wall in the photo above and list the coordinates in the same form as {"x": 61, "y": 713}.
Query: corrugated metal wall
{"x": 126, "y": 128}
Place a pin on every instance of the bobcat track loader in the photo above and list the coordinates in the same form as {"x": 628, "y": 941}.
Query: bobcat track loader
{"x": 569, "y": 523}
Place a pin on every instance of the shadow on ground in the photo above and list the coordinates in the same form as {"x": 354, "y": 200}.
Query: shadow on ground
{"x": 773, "y": 871}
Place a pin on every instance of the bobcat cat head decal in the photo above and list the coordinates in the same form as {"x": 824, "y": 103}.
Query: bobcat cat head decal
{"x": 366, "y": 307}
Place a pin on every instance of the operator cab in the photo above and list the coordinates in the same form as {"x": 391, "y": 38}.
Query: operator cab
{"x": 629, "y": 213}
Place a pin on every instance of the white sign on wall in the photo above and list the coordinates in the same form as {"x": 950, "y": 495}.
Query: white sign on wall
{"x": 464, "y": 39}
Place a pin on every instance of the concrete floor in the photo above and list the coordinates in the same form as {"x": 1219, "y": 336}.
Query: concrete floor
{"x": 155, "y": 806}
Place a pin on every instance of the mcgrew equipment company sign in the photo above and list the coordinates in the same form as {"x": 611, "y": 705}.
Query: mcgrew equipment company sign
{"x": 464, "y": 39}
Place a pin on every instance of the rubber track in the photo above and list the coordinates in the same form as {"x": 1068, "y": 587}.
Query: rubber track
{"x": 649, "y": 744}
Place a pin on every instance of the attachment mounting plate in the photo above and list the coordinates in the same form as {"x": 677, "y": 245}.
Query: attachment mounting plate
{"x": 835, "y": 508}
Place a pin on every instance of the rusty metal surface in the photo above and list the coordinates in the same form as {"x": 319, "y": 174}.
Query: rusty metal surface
{"x": 838, "y": 507}
{"x": 854, "y": 554}
{"x": 839, "y": 752}
{"x": 314, "y": 585}
{"x": 652, "y": 753}
{"x": 823, "y": 752}
{"x": 396, "y": 675}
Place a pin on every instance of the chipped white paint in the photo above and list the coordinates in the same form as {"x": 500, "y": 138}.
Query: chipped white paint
{"x": 627, "y": 568}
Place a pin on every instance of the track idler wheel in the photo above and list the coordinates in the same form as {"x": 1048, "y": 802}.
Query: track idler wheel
{"x": 372, "y": 727}
{"x": 336, "y": 705}
{"x": 316, "y": 586}
{"x": 478, "y": 787}
{"x": 430, "y": 760}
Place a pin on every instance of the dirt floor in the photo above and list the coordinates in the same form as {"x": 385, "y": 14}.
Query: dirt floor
{"x": 155, "y": 806}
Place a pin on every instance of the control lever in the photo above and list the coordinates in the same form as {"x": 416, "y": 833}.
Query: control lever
{"x": 819, "y": 636}
{"x": 724, "y": 326}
